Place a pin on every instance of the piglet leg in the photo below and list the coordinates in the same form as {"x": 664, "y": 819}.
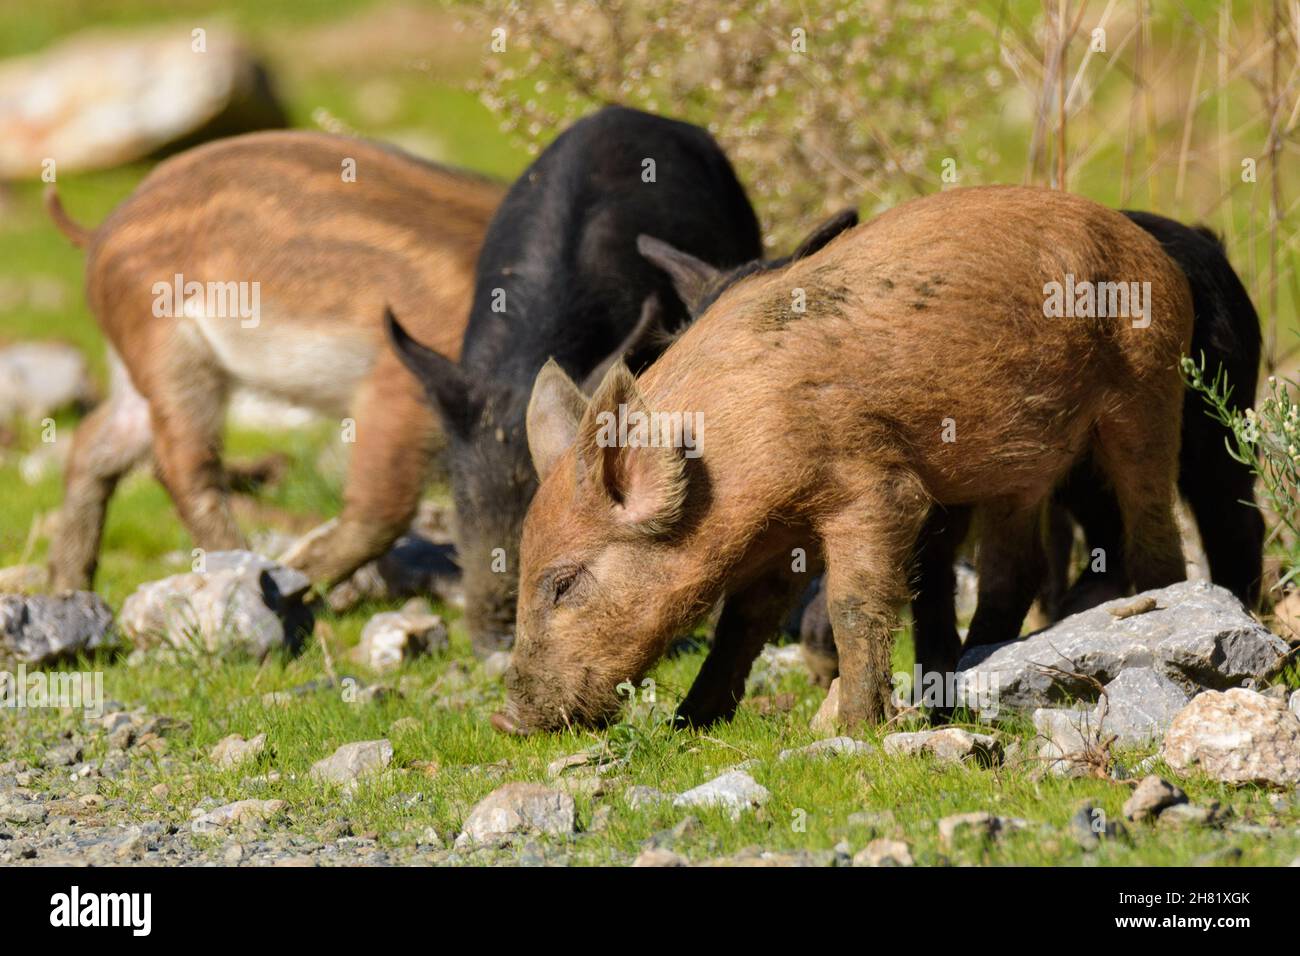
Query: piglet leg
{"x": 750, "y": 618}
{"x": 868, "y": 547}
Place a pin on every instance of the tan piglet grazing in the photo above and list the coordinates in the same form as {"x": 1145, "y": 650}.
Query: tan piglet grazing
{"x": 929, "y": 364}
{"x": 312, "y": 235}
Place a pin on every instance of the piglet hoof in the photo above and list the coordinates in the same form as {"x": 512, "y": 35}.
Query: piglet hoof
{"x": 505, "y": 725}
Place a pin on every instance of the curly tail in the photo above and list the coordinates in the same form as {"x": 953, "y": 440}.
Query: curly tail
{"x": 77, "y": 234}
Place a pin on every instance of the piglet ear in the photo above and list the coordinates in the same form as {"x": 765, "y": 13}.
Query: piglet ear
{"x": 445, "y": 386}
{"x": 691, "y": 276}
{"x": 816, "y": 240}
{"x": 644, "y": 480}
{"x": 554, "y": 411}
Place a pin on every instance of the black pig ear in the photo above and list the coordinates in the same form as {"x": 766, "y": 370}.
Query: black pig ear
{"x": 691, "y": 277}
{"x": 647, "y": 326}
{"x": 645, "y": 483}
{"x": 819, "y": 237}
{"x": 554, "y": 410}
{"x": 444, "y": 383}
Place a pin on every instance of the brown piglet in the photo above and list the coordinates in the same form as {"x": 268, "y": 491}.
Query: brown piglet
{"x": 266, "y": 261}
{"x": 961, "y": 349}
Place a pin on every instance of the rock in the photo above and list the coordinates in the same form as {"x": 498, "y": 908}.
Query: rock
{"x": 1152, "y": 796}
{"x": 1237, "y": 736}
{"x": 826, "y": 721}
{"x": 1182, "y": 815}
{"x": 353, "y": 761}
{"x": 250, "y": 814}
{"x": 658, "y": 856}
{"x": 735, "y": 791}
{"x": 1066, "y": 739}
{"x": 884, "y": 853}
{"x": 392, "y": 638}
{"x": 1089, "y": 826}
{"x": 42, "y": 630}
{"x": 240, "y": 603}
{"x": 1198, "y": 636}
{"x": 638, "y": 797}
{"x": 980, "y": 824}
{"x": 830, "y": 747}
{"x": 234, "y": 750}
{"x": 518, "y": 809}
{"x": 101, "y": 99}
{"x": 1294, "y": 703}
{"x": 63, "y": 755}
{"x": 38, "y": 379}
{"x": 1140, "y": 705}
{"x": 948, "y": 744}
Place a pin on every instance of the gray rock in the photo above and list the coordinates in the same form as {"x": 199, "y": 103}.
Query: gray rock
{"x": 41, "y": 630}
{"x": 393, "y": 638}
{"x": 735, "y": 791}
{"x": 1294, "y": 703}
{"x": 1066, "y": 739}
{"x": 234, "y": 750}
{"x": 1197, "y": 636}
{"x": 38, "y": 379}
{"x": 1237, "y": 736}
{"x": 830, "y": 747}
{"x": 1183, "y": 815}
{"x": 63, "y": 755}
{"x": 518, "y": 809}
{"x": 239, "y": 603}
{"x": 948, "y": 744}
{"x": 1140, "y": 705}
{"x": 1089, "y": 826}
{"x": 978, "y": 825}
{"x": 1152, "y": 797}
{"x": 884, "y": 852}
{"x": 246, "y": 814}
{"x": 353, "y": 761}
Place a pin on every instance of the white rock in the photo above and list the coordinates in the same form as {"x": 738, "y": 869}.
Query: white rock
{"x": 234, "y": 750}
{"x": 735, "y": 791}
{"x": 393, "y": 638}
{"x": 241, "y": 813}
{"x": 515, "y": 809}
{"x": 353, "y": 761}
{"x": 1237, "y": 736}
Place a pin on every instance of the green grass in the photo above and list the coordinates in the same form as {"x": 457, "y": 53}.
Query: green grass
{"x": 144, "y": 538}
{"x": 811, "y": 798}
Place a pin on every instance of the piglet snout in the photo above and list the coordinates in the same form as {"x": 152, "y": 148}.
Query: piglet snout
{"x": 505, "y": 724}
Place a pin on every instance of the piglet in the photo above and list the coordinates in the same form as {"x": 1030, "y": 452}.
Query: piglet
{"x": 966, "y": 348}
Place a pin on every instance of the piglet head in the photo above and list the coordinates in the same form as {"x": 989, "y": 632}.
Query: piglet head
{"x": 599, "y": 591}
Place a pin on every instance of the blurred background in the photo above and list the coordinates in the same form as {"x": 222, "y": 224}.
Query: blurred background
{"x": 1189, "y": 108}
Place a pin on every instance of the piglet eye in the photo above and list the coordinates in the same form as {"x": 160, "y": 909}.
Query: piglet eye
{"x": 562, "y": 582}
